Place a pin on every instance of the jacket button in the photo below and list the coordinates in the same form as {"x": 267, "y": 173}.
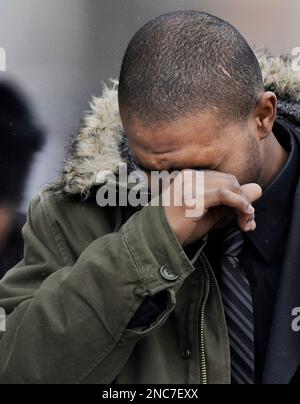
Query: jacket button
{"x": 186, "y": 353}
{"x": 167, "y": 274}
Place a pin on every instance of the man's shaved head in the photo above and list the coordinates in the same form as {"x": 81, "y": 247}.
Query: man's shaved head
{"x": 185, "y": 62}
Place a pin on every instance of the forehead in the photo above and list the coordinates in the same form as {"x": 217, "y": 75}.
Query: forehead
{"x": 187, "y": 142}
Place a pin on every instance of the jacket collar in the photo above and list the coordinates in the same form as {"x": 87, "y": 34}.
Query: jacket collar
{"x": 270, "y": 225}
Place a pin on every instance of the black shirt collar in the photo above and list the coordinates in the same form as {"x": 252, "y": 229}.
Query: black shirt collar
{"x": 273, "y": 210}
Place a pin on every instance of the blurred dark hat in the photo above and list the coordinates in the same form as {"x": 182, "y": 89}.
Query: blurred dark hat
{"x": 20, "y": 138}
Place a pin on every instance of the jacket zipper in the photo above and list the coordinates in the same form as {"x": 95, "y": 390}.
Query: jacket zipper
{"x": 203, "y": 364}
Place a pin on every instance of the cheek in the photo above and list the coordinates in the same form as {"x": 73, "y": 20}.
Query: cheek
{"x": 234, "y": 159}
{"x": 238, "y": 167}
{"x": 240, "y": 161}
{"x": 251, "y": 162}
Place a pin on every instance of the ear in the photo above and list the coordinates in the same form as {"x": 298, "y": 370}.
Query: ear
{"x": 265, "y": 113}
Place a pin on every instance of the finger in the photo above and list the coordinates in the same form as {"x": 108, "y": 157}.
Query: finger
{"x": 244, "y": 210}
{"x": 227, "y": 181}
{"x": 253, "y": 191}
{"x": 246, "y": 223}
{"x": 228, "y": 198}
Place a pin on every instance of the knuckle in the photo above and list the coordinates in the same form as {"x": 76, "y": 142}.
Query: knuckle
{"x": 232, "y": 178}
{"x": 244, "y": 205}
{"x": 222, "y": 192}
{"x": 234, "y": 184}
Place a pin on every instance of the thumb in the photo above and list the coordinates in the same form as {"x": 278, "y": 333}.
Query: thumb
{"x": 253, "y": 191}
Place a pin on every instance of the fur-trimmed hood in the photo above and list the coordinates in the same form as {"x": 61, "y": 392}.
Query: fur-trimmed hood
{"x": 100, "y": 144}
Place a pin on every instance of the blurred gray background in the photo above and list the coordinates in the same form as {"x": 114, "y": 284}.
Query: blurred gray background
{"x": 60, "y": 51}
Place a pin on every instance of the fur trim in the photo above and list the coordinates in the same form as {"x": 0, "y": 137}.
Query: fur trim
{"x": 96, "y": 146}
{"x": 101, "y": 145}
{"x": 279, "y": 76}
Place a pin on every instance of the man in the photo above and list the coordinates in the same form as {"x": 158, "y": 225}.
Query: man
{"x": 147, "y": 294}
{"x": 20, "y": 139}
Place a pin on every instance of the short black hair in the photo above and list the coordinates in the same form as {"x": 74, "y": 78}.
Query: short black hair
{"x": 20, "y": 138}
{"x": 188, "y": 61}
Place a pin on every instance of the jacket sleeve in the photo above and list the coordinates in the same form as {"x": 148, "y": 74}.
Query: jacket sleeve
{"x": 69, "y": 324}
